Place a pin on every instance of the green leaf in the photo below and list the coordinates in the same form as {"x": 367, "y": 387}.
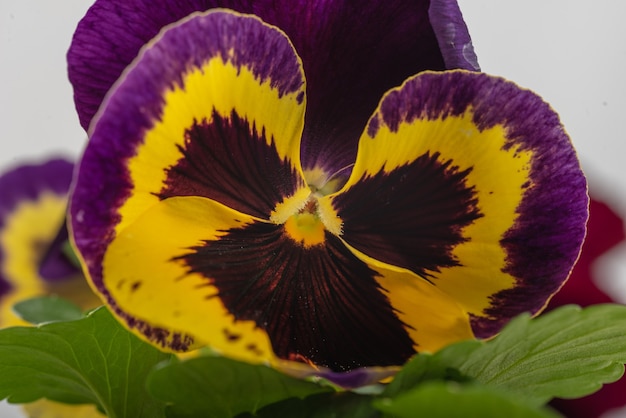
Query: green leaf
{"x": 90, "y": 360}
{"x": 324, "y": 405}
{"x": 423, "y": 368}
{"x": 47, "y": 309}
{"x": 220, "y": 387}
{"x": 450, "y": 399}
{"x": 567, "y": 353}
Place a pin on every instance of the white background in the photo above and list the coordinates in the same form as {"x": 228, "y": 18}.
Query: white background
{"x": 572, "y": 52}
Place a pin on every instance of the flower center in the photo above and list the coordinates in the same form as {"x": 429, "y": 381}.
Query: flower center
{"x": 308, "y": 214}
{"x": 306, "y": 227}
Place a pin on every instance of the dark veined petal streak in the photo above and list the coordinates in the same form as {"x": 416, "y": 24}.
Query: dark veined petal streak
{"x": 471, "y": 183}
{"x": 226, "y": 159}
{"x": 247, "y": 289}
{"x": 213, "y": 107}
{"x": 413, "y": 216}
{"x": 320, "y": 304}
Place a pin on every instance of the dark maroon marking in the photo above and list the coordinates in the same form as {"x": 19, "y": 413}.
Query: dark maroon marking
{"x": 230, "y": 336}
{"x": 5, "y": 287}
{"x": 318, "y": 304}
{"x": 160, "y": 336}
{"x": 254, "y": 349}
{"x": 227, "y": 161}
{"x": 412, "y": 217}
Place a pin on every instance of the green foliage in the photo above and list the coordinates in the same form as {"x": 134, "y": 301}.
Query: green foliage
{"x": 423, "y": 368}
{"x": 450, "y": 399}
{"x": 47, "y": 309}
{"x": 89, "y": 360}
{"x": 220, "y": 387}
{"x": 324, "y": 405}
{"x": 569, "y": 352}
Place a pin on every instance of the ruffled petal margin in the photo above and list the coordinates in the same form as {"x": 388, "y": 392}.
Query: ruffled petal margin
{"x": 470, "y": 183}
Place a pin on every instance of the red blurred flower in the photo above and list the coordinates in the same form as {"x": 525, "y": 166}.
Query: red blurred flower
{"x": 605, "y": 231}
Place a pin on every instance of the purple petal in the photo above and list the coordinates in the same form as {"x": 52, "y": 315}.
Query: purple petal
{"x": 28, "y": 181}
{"x": 352, "y": 53}
{"x": 454, "y": 39}
{"x": 55, "y": 264}
{"x": 109, "y": 38}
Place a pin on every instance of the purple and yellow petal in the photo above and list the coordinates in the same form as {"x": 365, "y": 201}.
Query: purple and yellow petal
{"x": 214, "y": 108}
{"x": 469, "y": 182}
{"x": 145, "y": 274}
{"x": 33, "y": 200}
{"x": 24, "y": 236}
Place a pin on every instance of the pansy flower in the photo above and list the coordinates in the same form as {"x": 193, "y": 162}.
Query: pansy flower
{"x": 33, "y": 203}
{"x": 221, "y": 199}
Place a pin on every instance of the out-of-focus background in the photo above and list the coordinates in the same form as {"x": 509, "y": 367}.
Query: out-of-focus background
{"x": 571, "y": 52}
